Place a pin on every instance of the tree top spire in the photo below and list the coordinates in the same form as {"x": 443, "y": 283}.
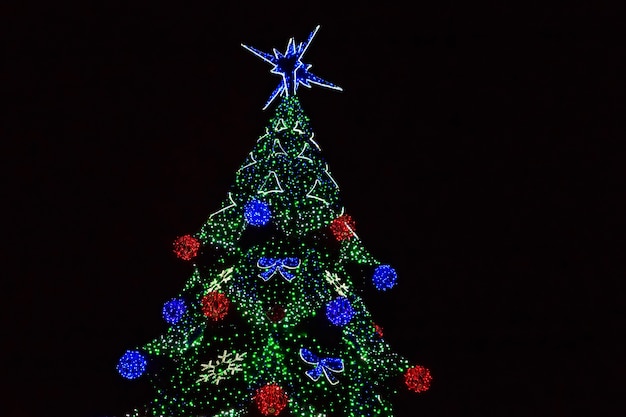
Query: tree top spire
{"x": 290, "y": 67}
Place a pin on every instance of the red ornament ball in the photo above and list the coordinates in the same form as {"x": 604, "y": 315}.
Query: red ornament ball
{"x": 378, "y": 330}
{"x": 343, "y": 227}
{"x": 270, "y": 399}
{"x": 186, "y": 247}
{"x": 276, "y": 313}
{"x": 215, "y": 305}
{"x": 417, "y": 378}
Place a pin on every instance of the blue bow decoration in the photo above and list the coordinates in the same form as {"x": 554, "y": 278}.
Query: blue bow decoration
{"x": 280, "y": 265}
{"x": 322, "y": 366}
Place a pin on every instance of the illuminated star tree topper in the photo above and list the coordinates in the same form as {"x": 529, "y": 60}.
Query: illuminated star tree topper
{"x": 290, "y": 67}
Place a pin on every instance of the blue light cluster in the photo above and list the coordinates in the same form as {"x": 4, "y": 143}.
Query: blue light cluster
{"x": 257, "y": 213}
{"x": 290, "y": 67}
{"x": 339, "y": 311}
{"x": 384, "y": 277}
{"x": 173, "y": 310}
{"x": 132, "y": 364}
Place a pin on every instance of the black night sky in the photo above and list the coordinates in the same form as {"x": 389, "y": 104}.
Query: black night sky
{"x": 478, "y": 147}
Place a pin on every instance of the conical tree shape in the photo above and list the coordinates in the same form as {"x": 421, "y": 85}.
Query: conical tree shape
{"x": 272, "y": 319}
{"x": 285, "y": 170}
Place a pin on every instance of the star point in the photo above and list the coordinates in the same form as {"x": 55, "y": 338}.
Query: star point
{"x": 290, "y": 67}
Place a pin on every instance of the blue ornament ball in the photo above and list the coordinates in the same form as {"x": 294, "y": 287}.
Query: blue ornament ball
{"x": 339, "y": 311}
{"x": 384, "y": 277}
{"x": 257, "y": 213}
{"x": 132, "y": 364}
{"x": 173, "y": 310}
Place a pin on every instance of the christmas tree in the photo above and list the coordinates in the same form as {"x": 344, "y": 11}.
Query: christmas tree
{"x": 272, "y": 319}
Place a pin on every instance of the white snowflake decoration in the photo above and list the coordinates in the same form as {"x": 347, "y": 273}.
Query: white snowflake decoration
{"x": 226, "y": 364}
{"x": 333, "y": 279}
{"x": 223, "y": 277}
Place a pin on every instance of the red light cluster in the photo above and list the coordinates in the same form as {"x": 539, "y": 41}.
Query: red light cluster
{"x": 417, "y": 378}
{"x": 343, "y": 227}
{"x": 215, "y": 305}
{"x": 271, "y": 399}
{"x": 186, "y": 247}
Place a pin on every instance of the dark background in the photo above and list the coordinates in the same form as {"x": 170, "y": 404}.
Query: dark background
{"x": 479, "y": 149}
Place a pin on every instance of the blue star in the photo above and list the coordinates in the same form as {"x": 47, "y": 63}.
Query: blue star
{"x": 289, "y": 65}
